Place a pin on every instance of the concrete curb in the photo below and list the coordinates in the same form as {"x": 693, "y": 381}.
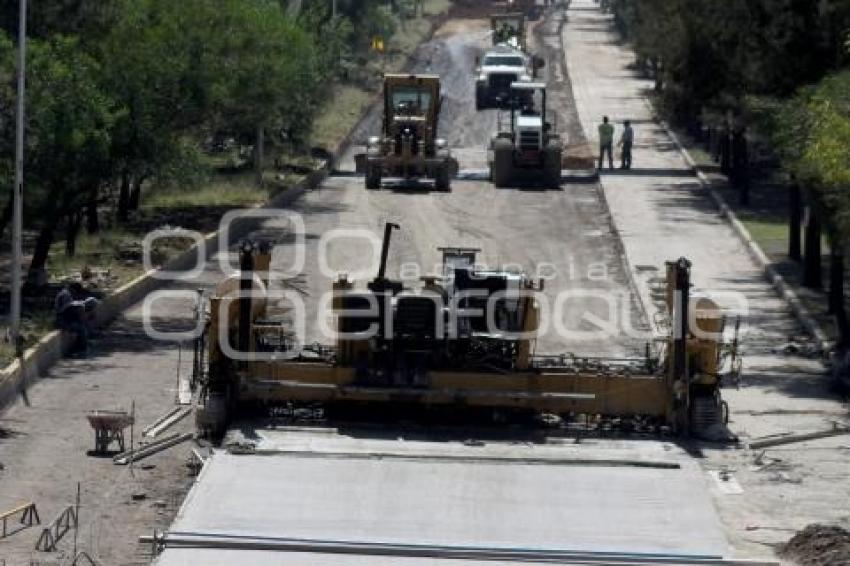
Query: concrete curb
{"x": 779, "y": 284}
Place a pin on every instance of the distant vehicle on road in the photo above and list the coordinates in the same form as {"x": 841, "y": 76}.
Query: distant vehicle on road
{"x": 408, "y": 145}
{"x": 527, "y": 146}
{"x": 506, "y": 62}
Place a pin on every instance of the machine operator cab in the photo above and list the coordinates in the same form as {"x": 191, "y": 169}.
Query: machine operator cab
{"x": 412, "y": 108}
{"x": 529, "y": 113}
{"x": 408, "y": 146}
{"x": 526, "y": 146}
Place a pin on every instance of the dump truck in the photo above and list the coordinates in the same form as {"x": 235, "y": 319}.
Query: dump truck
{"x": 527, "y": 146}
{"x": 505, "y": 62}
{"x": 408, "y": 145}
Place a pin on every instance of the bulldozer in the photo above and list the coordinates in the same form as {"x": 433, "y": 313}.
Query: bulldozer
{"x": 464, "y": 342}
{"x": 408, "y": 146}
{"x": 527, "y": 146}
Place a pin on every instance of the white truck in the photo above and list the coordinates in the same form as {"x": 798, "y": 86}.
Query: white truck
{"x": 505, "y": 63}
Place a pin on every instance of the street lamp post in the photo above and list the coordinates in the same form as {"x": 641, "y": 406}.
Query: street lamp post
{"x": 18, "y": 189}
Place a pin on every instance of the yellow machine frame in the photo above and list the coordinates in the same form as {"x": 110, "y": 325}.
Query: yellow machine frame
{"x": 689, "y": 367}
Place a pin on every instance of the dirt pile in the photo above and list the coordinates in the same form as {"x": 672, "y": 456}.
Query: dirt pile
{"x": 819, "y": 545}
{"x": 578, "y": 156}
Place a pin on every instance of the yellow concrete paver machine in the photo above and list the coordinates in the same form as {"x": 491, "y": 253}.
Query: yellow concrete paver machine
{"x": 408, "y": 146}
{"x": 464, "y": 342}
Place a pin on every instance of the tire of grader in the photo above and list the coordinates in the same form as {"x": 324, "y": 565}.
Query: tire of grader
{"x": 502, "y": 169}
{"x": 373, "y": 176}
{"x": 552, "y": 167}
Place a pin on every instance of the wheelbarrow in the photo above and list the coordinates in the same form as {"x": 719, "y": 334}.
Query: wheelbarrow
{"x": 108, "y": 428}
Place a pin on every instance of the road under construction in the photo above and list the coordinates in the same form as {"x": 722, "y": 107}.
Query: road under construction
{"x": 484, "y": 447}
{"x": 400, "y": 441}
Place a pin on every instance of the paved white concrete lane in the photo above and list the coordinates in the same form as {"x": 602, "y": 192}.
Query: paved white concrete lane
{"x": 662, "y": 213}
{"x": 530, "y": 497}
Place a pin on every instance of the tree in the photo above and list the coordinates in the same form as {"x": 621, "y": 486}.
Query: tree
{"x": 68, "y": 135}
{"x": 272, "y": 73}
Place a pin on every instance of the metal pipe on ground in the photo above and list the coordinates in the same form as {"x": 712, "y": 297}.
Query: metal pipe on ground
{"x": 147, "y": 429}
{"x": 767, "y": 443}
{"x": 151, "y": 449}
{"x": 166, "y": 422}
{"x": 208, "y": 541}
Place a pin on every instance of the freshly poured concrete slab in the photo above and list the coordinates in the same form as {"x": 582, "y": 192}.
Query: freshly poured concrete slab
{"x": 448, "y": 495}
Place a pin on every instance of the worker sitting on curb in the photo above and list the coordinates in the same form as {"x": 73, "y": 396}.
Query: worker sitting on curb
{"x": 75, "y": 316}
{"x": 606, "y": 142}
{"x": 627, "y": 141}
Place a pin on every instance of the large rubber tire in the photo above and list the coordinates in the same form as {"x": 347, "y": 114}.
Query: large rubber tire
{"x": 503, "y": 163}
{"x": 480, "y": 99}
{"x": 442, "y": 179}
{"x": 373, "y": 177}
{"x": 552, "y": 167}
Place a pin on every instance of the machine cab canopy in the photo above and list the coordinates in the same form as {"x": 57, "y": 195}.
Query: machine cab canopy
{"x": 508, "y": 29}
{"x": 411, "y": 98}
{"x": 529, "y": 98}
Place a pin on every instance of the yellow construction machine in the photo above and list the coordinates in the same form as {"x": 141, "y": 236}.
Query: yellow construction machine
{"x": 463, "y": 342}
{"x": 527, "y": 146}
{"x": 408, "y": 145}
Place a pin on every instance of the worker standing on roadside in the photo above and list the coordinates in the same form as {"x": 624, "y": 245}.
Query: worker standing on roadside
{"x": 606, "y": 142}
{"x": 627, "y": 140}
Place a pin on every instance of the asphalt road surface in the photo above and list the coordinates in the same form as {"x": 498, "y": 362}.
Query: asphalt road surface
{"x": 564, "y": 235}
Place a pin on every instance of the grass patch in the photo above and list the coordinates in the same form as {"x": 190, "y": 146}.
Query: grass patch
{"x": 236, "y": 191}
{"x": 336, "y": 119}
{"x": 772, "y": 236}
{"x": 34, "y": 325}
{"x": 96, "y": 251}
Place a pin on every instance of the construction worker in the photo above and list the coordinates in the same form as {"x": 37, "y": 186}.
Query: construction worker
{"x": 627, "y": 140}
{"x": 606, "y": 142}
{"x": 75, "y": 315}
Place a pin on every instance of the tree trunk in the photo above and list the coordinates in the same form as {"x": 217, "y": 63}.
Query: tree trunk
{"x": 795, "y": 220}
{"x": 6, "y": 217}
{"x": 259, "y": 151}
{"x": 725, "y": 152}
{"x": 812, "y": 268}
{"x": 135, "y": 194}
{"x": 72, "y": 230}
{"x": 836, "y": 277}
{"x": 741, "y": 167}
{"x": 36, "y": 274}
{"x": 656, "y": 74}
{"x": 124, "y": 197}
{"x": 92, "y": 220}
{"x": 836, "y": 292}
{"x": 55, "y": 208}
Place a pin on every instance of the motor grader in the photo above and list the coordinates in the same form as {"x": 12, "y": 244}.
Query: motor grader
{"x": 527, "y": 146}
{"x": 464, "y": 342}
{"x": 408, "y": 145}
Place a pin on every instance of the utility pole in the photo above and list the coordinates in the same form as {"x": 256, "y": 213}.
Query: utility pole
{"x": 333, "y": 8}
{"x": 18, "y": 189}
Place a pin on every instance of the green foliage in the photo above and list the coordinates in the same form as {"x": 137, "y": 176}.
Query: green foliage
{"x": 69, "y": 119}
{"x": 713, "y": 53}
{"x": 123, "y": 91}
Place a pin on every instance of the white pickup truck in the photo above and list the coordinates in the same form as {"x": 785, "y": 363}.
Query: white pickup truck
{"x": 498, "y": 69}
